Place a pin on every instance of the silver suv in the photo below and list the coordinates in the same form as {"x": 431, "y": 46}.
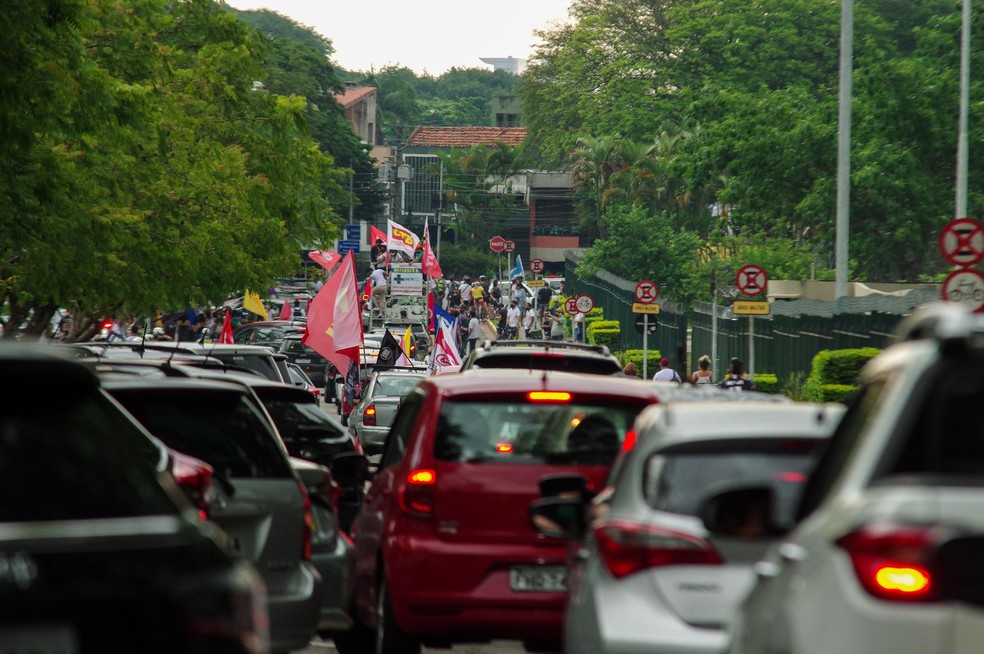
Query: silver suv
{"x": 561, "y": 356}
{"x": 886, "y": 556}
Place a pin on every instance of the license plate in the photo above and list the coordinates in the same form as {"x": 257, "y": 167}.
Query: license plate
{"x": 38, "y": 639}
{"x": 304, "y": 361}
{"x": 548, "y": 578}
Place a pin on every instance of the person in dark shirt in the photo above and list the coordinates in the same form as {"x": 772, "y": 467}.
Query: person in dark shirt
{"x": 737, "y": 379}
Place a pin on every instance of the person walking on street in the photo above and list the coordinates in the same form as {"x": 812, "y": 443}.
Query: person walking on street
{"x": 543, "y": 299}
{"x": 528, "y": 323}
{"x": 631, "y": 370}
{"x": 703, "y": 374}
{"x": 556, "y": 327}
{"x": 513, "y": 316}
{"x": 737, "y": 379}
{"x": 578, "y": 327}
{"x": 474, "y": 332}
{"x": 666, "y": 373}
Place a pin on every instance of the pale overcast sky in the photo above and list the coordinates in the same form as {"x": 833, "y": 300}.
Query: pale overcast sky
{"x": 431, "y": 35}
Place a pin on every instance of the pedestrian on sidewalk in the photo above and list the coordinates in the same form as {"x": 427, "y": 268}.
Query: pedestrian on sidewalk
{"x": 556, "y": 327}
{"x": 529, "y": 322}
{"x": 513, "y": 316}
{"x": 474, "y": 332}
{"x": 666, "y": 373}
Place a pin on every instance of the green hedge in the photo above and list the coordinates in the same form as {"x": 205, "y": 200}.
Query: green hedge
{"x": 635, "y": 356}
{"x": 608, "y": 337}
{"x": 842, "y": 393}
{"x": 835, "y": 374}
{"x": 600, "y": 324}
{"x": 766, "y": 382}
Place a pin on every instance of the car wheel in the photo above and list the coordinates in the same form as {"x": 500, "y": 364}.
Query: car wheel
{"x": 390, "y": 639}
{"x": 357, "y": 640}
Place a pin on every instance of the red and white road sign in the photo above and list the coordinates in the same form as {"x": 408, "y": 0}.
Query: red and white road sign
{"x": 497, "y": 244}
{"x": 646, "y": 292}
{"x": 967, "y": 286}
{"x": 584, "y": 303}
{"x": 751, "y": 279}
{"x": 962, "y": 241}
{"x": 510, "y": 246}
{"x": 536, "y": 265}
{"x": 570, "y": 305}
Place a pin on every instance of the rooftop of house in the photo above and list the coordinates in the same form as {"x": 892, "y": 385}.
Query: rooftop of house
{"x": 464, "y": 137}
{"x": 353, "y": 94}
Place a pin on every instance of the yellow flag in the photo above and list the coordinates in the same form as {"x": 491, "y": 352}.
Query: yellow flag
{"x": 251, "y": 302}
{"x": 408, "y": 343}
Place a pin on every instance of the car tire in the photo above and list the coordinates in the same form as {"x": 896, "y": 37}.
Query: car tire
{"x": 390, "y": 639}
{"x": 357, "y": 640}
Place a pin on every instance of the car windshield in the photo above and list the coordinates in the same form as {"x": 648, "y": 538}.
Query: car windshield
{"x": 679, "y": 482}
{"x": 85, "y": 460}
{"x": 395, "y": 385}
{"x": 552, "y": 361}
{"x": 222, "y": 428}
{"x": 507, "y": 432}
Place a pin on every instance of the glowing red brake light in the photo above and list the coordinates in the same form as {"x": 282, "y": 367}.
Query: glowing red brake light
{"x": 417, "y": 494}
{"x": 890, "y": 560}
{"x": 504, "y": 448}
{"x": 630, "y": 547}
{"x": 548, "y": 396}
{"x": 369, "y": 416}
{"x": 630, "y": 441}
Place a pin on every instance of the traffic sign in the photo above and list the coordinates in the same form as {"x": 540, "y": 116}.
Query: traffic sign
{"x": 536, "y": 265}
{"x": 584, "y": 303}
{"x": 967, "y": 286}
{"x": 345, "y": 246}
{"x": 751, "y": 279}
{"x": 749, "y": 308}
{"x": 353, "y": 232}
{"x": 962, "y": 241}
{"x": 639, "y": 307}
{"x": 646, "y": 292}
{"x": 643, "y": 322}
{"x": 497, "y": 244}
{"x": 510, "y": 246}
{"x": 570, "y": 305}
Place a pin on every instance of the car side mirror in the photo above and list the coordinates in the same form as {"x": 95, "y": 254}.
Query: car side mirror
{"x": 558, "y": 517}
{"x": 741, "y": 513}
{"x": 311, "y": 474}
{"x": 350, "y": 468}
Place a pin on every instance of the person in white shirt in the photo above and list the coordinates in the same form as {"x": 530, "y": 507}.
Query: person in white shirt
{"x": 665, "y": 372}
{"x": 513, "y": 316}
{"x": 474, "y": 332}
{"x": 529, "y": 319}
{"x": 378, "y": 278}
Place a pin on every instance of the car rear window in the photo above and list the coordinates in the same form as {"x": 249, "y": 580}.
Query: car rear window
{"x": 82, "y": 461}
{"x": 395, "y": 385}
{"x": 511, "y": 432}
{"x": 224, "y": 429}
{"x": 544, "y": 361}
{"x": 680, "y": 481}
{"x": 261, "y": 364}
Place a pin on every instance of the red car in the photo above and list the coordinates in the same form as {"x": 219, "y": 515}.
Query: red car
{"x": 444, "y": 548}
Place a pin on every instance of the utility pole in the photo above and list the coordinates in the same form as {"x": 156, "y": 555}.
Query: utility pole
{"x": 844, "y": 148}
{"x": 960, "y": 209}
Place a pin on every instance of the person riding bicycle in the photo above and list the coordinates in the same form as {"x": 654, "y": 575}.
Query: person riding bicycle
{"x": 478, "y": 300}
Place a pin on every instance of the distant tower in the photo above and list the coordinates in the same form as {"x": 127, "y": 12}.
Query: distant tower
{"x": 512, "y": 64}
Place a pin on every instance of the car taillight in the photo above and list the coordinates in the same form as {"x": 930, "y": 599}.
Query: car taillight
{"x": 194, "y": 477}
{"x": 369, "y": 416}
{"x": 891, "y": 561}
{"x": 629, "y": 547}
{"x": 417, "y": 494}
{"x": 548, "y": 396}
{"x": 308, "y": 526}
{"x": 630, "y": 441}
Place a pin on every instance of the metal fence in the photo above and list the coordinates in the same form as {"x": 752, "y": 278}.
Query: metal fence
{"x": 783, "y": 343}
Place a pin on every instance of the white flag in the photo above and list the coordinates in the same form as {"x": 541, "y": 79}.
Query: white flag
{"x": 401, "y": 239}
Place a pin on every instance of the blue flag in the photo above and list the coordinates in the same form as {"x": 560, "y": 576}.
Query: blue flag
{"x": 441, "y": 319}
{"x": 518, "y": 270}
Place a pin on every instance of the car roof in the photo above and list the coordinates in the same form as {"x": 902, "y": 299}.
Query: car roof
{"x": 676, "y": 423}
{"x": 113, "y": 382}
{"x": 22, "y": 363}
{"x": 515, "y": 380}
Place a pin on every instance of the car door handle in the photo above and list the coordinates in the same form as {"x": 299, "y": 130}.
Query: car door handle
{"x": 792, "y": 552}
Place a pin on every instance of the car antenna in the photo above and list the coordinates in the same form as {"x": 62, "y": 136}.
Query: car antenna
{"x": 143, "y": 338}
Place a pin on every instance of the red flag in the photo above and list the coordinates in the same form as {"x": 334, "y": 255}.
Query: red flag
{"x": 430, "y": 313}
{"x": 334, "y": 320}
{"x": 286, "y": 311}
{"x": 375, "y": 233}
{"x": 428, "y": 262}
{"x": 226, "y": 335}
{"x": 325, "y": 258}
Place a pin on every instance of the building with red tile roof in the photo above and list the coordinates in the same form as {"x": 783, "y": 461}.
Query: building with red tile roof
{"x": 359, "y": 103}
{"x": 429, "y": 136}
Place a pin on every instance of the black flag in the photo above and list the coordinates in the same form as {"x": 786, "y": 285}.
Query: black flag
{"x": 389, "y": 351}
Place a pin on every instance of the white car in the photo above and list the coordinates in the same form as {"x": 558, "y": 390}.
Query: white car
{"x": 648, "y": 577}
{"x": 888, "y": 556}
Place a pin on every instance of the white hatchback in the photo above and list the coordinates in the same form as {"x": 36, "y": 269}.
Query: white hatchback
{"x": 887, "y": 558}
